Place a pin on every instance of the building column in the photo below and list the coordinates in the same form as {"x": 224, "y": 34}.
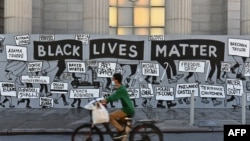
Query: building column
{"x": 245, "y": 17}
{"x": 178, "y": 17}
{"x": 18, "y": 16}
{"x": 96, "y": 16}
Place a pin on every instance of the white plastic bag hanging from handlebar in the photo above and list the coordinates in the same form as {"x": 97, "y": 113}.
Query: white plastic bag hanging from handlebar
{"x": 99, "y": 114}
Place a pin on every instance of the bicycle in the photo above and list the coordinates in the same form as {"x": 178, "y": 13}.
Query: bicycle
{"x": 140, "y": 130}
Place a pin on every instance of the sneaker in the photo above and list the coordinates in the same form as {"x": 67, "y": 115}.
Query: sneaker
{"x": 79, "y": 107}
{"x": 57, "y": 79}
{"x": 179, "y": 76}
{"x": 1, "y": 104}
{"x": 155, "y": 82}
{"x": 12, "y": 106}
{"x": 147, "y": 80}
{"x": 180, "y": 101}
{"x": 216, "y": 103}
{"x": 56, "y": 101}
{"x": 209, "y": 81}
{"x": 48, "y": 94}
{"x": 205, "y": 101}
{"x": 219, "y": 81}
{"x": 160, "y": 106}
{"x": 171, "y": 105}
{"x": 170, "y": 81}
{"x": 240, "y": 76}
{"x": 186, "y": 80}
{"x": 66, "y": 103}
{"x": 120, "y": 135}
{"x": 28, "y": 107}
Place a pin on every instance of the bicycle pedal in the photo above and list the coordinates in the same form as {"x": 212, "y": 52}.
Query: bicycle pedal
{"x": 128, "y": 119}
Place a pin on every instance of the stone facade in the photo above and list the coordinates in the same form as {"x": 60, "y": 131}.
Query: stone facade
{"x": 209, "y": 17}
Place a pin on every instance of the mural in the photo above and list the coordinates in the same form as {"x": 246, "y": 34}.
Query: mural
{"x": 66, "y": 71}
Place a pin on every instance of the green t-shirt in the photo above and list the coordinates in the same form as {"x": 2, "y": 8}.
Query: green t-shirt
{"x": 121, "y": 94}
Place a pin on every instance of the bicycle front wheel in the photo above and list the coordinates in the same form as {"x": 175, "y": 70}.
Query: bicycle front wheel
{"x": 87, "y": 133}
{"x": 146, "y": 132}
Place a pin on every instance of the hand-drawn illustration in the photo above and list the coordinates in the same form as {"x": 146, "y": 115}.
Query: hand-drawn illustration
{"x": 8, "y": 90}
{"x": 17, "y": 57}
{"x": 42, "y": 72}
{"x": 1, "y": 43}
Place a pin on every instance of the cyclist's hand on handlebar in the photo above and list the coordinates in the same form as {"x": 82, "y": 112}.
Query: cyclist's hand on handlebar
{"x": 103, "y": 101}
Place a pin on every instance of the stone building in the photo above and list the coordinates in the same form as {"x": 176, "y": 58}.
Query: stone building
{"x": 130, "y": 17}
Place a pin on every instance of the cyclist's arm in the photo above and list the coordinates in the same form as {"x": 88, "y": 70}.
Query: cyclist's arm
{"x": 115, "y": 96}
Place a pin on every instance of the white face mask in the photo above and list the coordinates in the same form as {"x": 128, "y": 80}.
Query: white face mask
{"x": 113, "y": 82}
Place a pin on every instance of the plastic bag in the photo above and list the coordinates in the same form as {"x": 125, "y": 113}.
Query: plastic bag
{"x": 91, "y": 104}
{"x": 99, "y": 114}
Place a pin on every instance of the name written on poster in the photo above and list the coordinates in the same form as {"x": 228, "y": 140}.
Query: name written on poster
{"x": 226, "y": 67}
{"x": 35, "y": 79}
{"x": 84, "y": 93}
{"x": 92, "y": 63}
{"x": 77, "y": 67}
{"x": 185, "y": 90}
{"x": 16, "y": 53}
{"x": 46, "y": 102}
{"x": 133, "y": 93}
{"x": 84, "y": 38}
{"x": 146, "y": 90}
{"x": 234, "y": 87}
{"x": 46, "y": 37}
{"x": 239, "y": 47}
{"x": 106, "y": 69}
{"x": 248, "y": 96}
{"x": 156, "y": 37}
{"x": 164, "y": 93}
{"x": 192, "y": 66}
{"x": 22, "y": 40}
{"x": 247, "y": 69}
{"x": 59, "y": 87}
{"x": 28, "y": 93}
{"x": 212, "y": 91}
{"x": 35, "y": 66}
{"x": 8, "y": 89}
{"x": 150, "y": 69}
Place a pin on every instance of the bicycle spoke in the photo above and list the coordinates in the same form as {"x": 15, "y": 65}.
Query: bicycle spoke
{"x": 146, "y": 133}
{"x": 86, "y": 133}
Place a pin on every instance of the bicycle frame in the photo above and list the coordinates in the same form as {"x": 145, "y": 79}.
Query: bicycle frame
{"x": 108, "y": 129}
{"x": 132, "y": 129}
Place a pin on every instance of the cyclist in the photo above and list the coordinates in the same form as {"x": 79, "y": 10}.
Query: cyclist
{"x": 127, "y": 109}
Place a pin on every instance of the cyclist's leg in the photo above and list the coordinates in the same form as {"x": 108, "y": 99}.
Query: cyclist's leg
{"x": 114, "y": 117}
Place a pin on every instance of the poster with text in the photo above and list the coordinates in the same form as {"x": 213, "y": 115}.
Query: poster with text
{"x": 185, "y": 90}
{"x": 212, "y": 91}
{"x": 84, "y": 93}
{"x": 234, "y": 87}
{"x": 192, "y": 66}
{"x": 239, "y": 47}
{"x": 164, "y": 93}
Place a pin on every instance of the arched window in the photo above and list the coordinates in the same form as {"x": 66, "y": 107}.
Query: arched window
{"x": 141, "y": 17}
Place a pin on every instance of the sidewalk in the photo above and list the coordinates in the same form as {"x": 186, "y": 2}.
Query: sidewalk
{"x": 56, "y": 121}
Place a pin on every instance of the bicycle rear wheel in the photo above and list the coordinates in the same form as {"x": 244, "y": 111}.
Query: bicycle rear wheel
{"x": 146, "y": 132}
{"x": 86, "y": 132}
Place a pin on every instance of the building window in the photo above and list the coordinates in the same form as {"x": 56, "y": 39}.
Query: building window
{"x": 142, "y": 17}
